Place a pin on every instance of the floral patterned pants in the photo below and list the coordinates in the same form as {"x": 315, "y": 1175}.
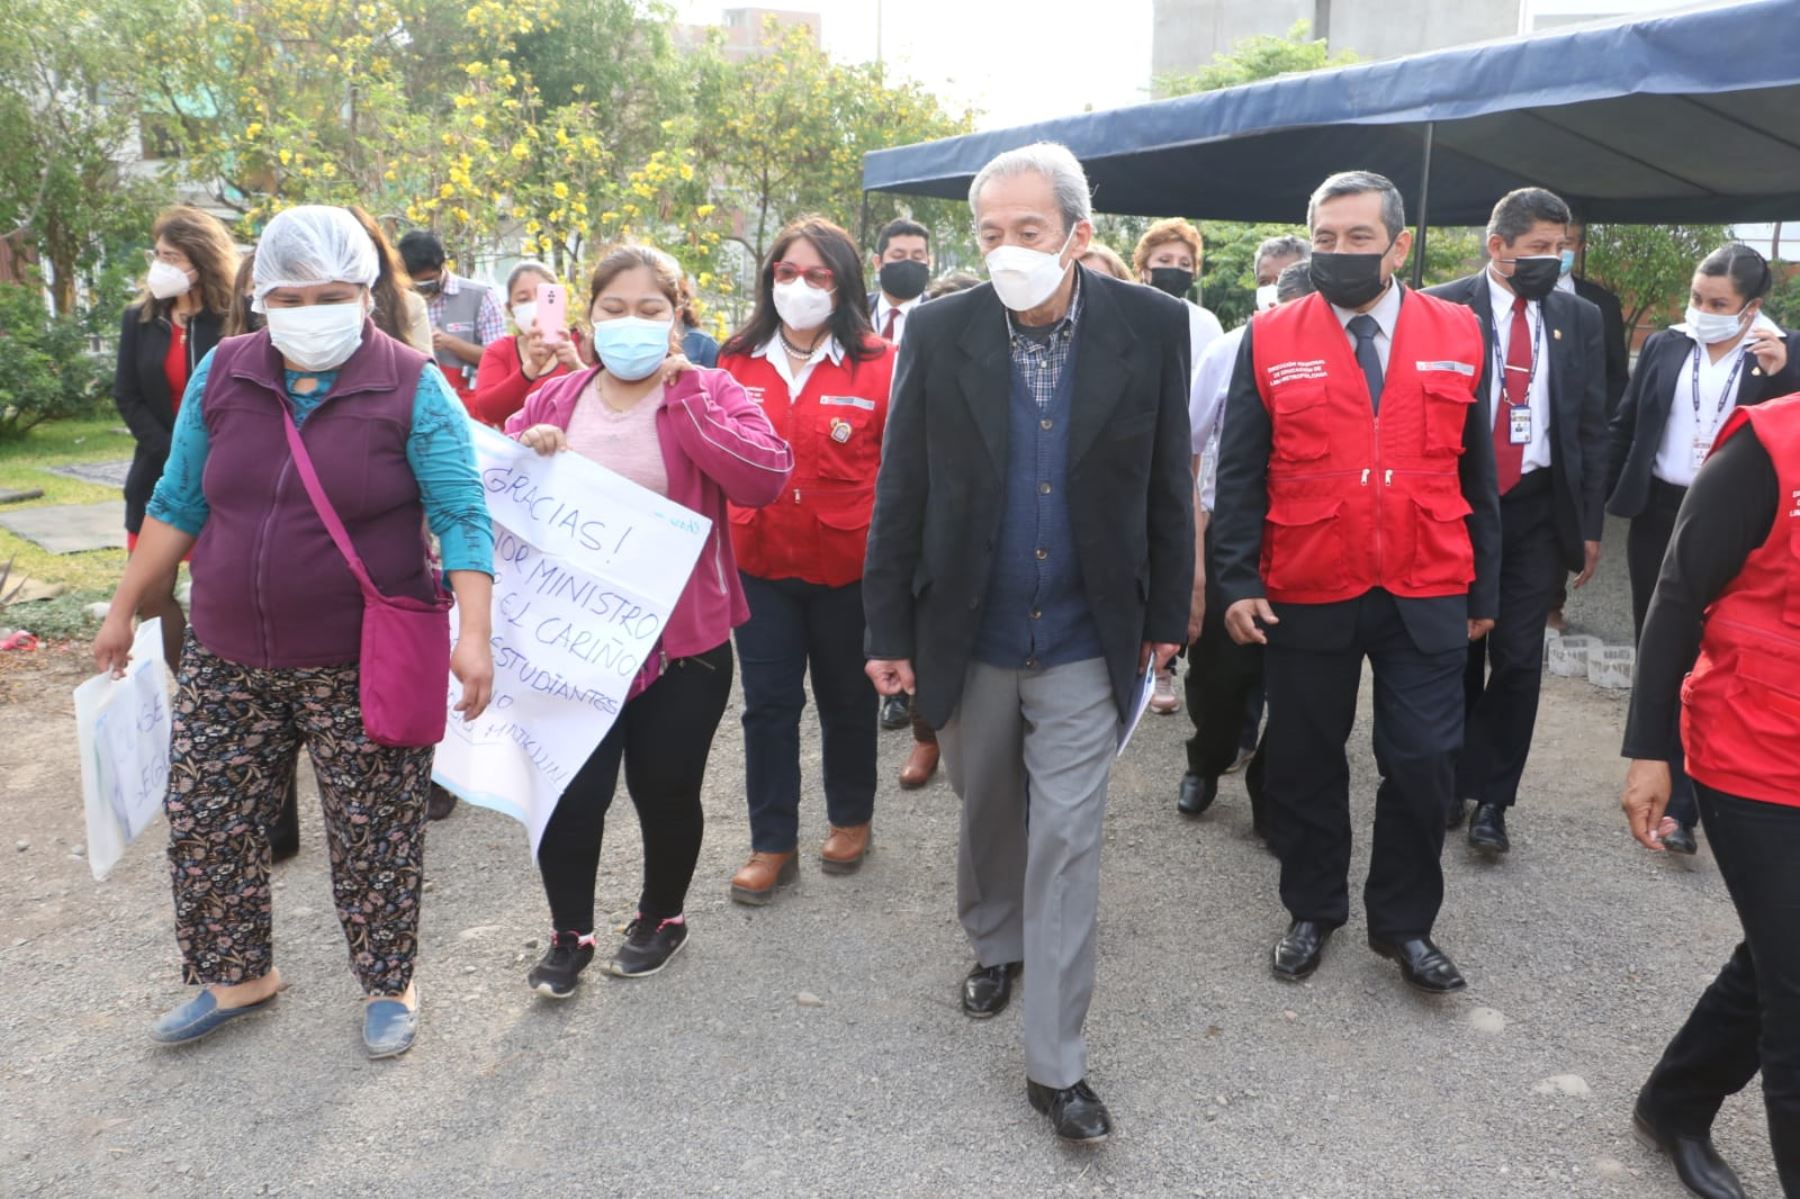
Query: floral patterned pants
{"x": 237, "y": 731}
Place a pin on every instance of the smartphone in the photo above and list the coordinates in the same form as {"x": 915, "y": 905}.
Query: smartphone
{"x": 552, "y": 312}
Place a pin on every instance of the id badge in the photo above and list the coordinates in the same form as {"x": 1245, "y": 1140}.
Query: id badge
{"x": 1702, "y": 447}
{"x": 1519, "y": 432}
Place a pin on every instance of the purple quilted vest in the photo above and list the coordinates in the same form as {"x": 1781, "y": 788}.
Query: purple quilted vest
{"x": 270, "y": 589}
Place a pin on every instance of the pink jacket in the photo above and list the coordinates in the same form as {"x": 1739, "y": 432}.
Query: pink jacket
{"x": 717, "y": 445}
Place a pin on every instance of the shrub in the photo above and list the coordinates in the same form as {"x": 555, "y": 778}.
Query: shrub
{"x": 47, "y": 369}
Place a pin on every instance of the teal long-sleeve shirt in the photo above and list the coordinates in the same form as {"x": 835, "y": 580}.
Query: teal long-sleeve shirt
{"x": 438, "y": 449}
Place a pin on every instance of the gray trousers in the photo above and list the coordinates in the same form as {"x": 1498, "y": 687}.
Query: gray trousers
{"x": 1029, "y": 889}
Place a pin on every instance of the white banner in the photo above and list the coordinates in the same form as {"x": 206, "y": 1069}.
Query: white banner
{"x": 587, "y": 568}
{"x": 122, "y": 735}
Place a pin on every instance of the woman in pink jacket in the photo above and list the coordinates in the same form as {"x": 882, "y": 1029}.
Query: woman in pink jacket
{"x": 694, "y": 436}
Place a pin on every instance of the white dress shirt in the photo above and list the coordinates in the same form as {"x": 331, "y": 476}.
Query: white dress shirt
{"x": 1537, "y": 451}
{"x": 1685, "y": 435}
{"x": 883, "y": 306}
{"x": 796, "y": 383}
{"x": 1206, "y": 406}
{"x": 1386, "y": 313}
{"x": 1203, "y": 329}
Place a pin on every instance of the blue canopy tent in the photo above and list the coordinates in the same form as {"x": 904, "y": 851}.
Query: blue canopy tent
{"x": 1693, "y": 117}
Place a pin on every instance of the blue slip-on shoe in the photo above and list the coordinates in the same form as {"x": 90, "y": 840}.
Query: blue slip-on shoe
{"x": 389, "y": 1027}
{"x": 198, "y": 1017}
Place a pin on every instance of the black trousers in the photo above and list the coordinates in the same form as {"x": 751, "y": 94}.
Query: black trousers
{"x": 1749, "y": 1018}
{"x": 1506, "y": 668}
{"x": 1224, "y": 680}
{"x": 663, "y": 738}
{"x": 1645, "y": 545}
{"x": 1418, "y": 731}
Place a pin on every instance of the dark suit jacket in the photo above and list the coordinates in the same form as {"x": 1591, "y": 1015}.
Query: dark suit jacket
{"x": 1575, "y": 346}
{"x": 940, "y": 493}
{"x": 874, "y": 299}
{"x": 141, "y": 393}
{"x": 1612, "y": 330}
{"x": 1637, "y": 427}
{"x": 1241, "y": 503}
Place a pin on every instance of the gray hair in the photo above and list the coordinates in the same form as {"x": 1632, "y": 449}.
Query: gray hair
{"x": 1284, "y": 246}
{"x": 1360, "y": 183}
{"x": 1055, "y": 163}
{"x": 1519, "y": 210}
{"x": 1295, "y": 281}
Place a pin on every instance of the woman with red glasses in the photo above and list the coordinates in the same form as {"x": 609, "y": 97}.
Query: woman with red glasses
{"x": 809, "y": 357}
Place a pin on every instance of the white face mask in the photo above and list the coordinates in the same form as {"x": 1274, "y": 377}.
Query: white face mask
{"x": 802, "y": 305}
{"x": 1024, "y": 279}
{"x": 525, "y": 316}
{"x": 1712, "y": 328}
{"x": 167, "y": 281}
{"x": 1265, "y": 297}
{"x": 317, "y": 337}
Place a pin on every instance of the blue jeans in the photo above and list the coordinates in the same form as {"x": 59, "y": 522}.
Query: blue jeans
{"x": 795, "y": 625}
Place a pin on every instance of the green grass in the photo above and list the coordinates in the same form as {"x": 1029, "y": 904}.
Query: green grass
{"x": 22, "y": 465}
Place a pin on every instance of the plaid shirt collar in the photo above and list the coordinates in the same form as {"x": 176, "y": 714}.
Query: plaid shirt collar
{"x": 1060, "y": 333}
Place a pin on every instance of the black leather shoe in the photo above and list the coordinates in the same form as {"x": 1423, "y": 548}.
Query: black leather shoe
{"x": 1681, "y": 840}
{"x": 1298, "y": 952}
{"x": 1076, "y": 1113}
{"x": 1487, "y": 832}
{"x": 1457, "y": 813}
{"x": 1697, "y": 1163}
{"x": 1197, "y": 794}
{"x": 442, "y": 802}
{"x": 896, "y": 713}
{"x": 988, "y": 989}
{"x": 1424, "y": 966}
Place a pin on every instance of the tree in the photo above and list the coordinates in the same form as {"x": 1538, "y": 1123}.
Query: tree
{"x": 46, "y": 369}
{"x": 1649, "y": 266}
{"x": 1253, "y": 58}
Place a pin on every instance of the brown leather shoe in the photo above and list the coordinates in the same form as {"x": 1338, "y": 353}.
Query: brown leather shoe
{"x": 756, "y": 880}
{"x": 921, "y": 764}
{"x": 844, "y": 850}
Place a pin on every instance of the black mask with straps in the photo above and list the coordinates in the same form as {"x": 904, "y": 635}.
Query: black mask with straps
{"x": 1176, "y": 281}
{"x": 1534, "y": 277}
{"x": 904, "y": 279}
{"x": 1347, "y": 280}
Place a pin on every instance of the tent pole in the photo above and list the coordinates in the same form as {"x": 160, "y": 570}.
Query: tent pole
{"x": 1418, "y": 253}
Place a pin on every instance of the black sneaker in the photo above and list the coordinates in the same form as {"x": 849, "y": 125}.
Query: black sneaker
{"x": 646, "y": 949}
{"x": 556, "y": 973}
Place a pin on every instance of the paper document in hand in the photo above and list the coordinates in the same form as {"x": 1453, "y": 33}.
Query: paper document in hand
{"x": 1146, "y": 688}
{"x": 122, "y": 735}
{"x": 587, "y": 568}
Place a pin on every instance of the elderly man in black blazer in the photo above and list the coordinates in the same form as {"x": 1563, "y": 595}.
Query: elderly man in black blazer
{"x": 1545, "y": 378}
{"x": 1031, "y": 558}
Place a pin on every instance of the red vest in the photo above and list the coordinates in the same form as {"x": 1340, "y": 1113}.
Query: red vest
{"x": 1740, "y": 717}
{"x": 1357, "y": 502}
{"x": 818, "y": 530}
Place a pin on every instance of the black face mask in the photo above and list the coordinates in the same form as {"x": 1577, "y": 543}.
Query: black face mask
{"x": 1347, "y": 280}
{"x": 1172, "y": 279}
{"x": 1535, "y": 277}
{"x": 905, "y": 279}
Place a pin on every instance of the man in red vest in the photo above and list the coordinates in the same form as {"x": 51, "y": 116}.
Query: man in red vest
{"x": 1357, "y": 516}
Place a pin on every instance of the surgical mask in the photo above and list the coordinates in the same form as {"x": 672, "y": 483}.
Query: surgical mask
{"x": 905, "y": 279}
{"x": 1535, "y": 277}
{"x": 802, "y": 305}
{"x": 525, "y": 316}
{"x": 1024, "y": 279}
{"x": 1347, "y": 280}
{"x": 1265, "y": 297}
{"x": 317, "y": 337}
{"x": 1174, "y": 280}
{"x": 166, "y": 281}
{"x": 428, "y": 287}
{"x": 631, "y": 347}
{"x": 1712, "y": 328}
{"x": 1568, "y": 262}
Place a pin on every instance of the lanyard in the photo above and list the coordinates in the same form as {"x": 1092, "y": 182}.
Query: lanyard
{"x": 1724, "y": 394}
{"x": 1537, "y": 344}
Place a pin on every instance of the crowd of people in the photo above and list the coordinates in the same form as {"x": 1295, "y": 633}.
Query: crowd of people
{"x": 995, "y": 515}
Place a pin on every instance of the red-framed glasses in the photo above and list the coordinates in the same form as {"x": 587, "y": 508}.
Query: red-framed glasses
{"x": 816, "y": 276}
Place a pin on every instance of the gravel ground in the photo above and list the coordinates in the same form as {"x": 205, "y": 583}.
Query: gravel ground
{"x": 816, "y": 1047}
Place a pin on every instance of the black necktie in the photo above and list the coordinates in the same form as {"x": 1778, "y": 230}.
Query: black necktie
{"x": 1364, "y": 329}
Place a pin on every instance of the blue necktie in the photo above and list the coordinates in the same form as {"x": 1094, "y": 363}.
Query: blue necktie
{"x": 1364, "y": 329}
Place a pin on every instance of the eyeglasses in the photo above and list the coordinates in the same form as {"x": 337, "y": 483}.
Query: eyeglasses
{"x": 816, "y": 276}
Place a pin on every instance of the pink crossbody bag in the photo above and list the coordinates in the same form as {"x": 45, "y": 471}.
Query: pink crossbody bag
{"x": 405, "y": 664}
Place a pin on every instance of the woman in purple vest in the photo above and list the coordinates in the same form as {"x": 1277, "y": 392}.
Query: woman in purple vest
{"x": 271, "y": 659}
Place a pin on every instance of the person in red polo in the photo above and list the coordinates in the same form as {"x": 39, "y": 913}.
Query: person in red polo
{"x": 1357, "y": 516}
{"x": 809, "y": 356}
{"x": 1729, "y": 591}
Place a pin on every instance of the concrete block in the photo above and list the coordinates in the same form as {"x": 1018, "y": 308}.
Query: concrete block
{"x": 1610, "y": 666}
{"x": 1569, "y": 654}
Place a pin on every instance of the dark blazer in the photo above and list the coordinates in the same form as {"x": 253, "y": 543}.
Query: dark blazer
{"x": 1637, "y": 427}
{"x": 939, "y": 496}
{"x": 1575, "y": 343}
{"x": 1436, "y": 625}
{"x": 874, "y": 299}
{"x": 141, "y": 392}
{"x": 1612, "y": 331}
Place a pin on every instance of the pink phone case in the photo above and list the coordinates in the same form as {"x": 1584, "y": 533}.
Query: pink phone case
{"x": 552, "y": 311}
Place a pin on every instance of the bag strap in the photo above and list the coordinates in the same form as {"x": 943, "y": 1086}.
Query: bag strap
{"x": 322, "y": 505}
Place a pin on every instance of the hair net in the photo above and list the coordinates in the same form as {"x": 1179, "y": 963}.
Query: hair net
{"x": 314, "y": 243}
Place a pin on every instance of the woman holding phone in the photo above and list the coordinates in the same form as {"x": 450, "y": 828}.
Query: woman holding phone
{"x": 514, "y": 368}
